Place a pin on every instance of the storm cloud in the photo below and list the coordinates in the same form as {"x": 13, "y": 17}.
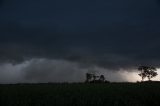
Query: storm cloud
{"x": 45, "y": 70}
{"x": 112, "y": 34}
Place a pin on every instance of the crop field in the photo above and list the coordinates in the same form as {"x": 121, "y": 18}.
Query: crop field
{"x": 112, "y": 94}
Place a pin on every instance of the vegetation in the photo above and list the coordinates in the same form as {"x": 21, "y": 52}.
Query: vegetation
{"x": 92, "y": 78}
{"x": 146, "y": 71}
{"x": 112, "y": 94}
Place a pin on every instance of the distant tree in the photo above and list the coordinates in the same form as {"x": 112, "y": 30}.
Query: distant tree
{"x": 102, "y": 78}
{"x": 88, "y": 77}
{"x": 95, "y": 77}
{"x": 92, "y": 78}
{"x": 146, "y": 71}
{"x": 151, "y": 73}
{"x": 143, "y": 70}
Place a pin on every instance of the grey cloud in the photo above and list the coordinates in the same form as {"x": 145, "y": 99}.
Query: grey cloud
{"x": 42, "y": 70}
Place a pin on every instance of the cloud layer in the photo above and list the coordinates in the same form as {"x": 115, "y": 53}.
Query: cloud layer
{"x": 44, "y": 71}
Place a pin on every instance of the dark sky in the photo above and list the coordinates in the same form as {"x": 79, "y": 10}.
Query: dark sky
{"x": 108, "y": 33}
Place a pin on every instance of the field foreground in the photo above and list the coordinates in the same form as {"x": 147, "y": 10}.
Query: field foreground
{"x": 113, "y": 94}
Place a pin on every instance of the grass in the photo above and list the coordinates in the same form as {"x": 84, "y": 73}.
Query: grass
{"x": 113, "y": 94}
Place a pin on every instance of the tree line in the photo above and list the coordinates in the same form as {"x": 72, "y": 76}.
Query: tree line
{"x": 92, "y": 78}
{"x": 145, "y": 72}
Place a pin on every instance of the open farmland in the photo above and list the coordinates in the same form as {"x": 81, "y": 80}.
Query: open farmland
{"x": 124, "y": 94}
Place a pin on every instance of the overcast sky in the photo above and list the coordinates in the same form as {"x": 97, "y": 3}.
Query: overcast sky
{"x": 68, "y": 38}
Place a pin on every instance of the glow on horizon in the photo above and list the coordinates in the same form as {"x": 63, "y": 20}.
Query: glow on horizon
{"x": 133, "y": 76}
{"x": 157, "y": 78}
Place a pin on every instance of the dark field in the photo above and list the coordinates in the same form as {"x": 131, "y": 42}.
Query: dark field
{"x": 113, "y": 94}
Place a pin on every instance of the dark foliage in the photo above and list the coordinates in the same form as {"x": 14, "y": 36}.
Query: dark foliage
{"x": 113, "y": 94}
{"x": 147, "y": 71}
{"x": 92, "y": 78}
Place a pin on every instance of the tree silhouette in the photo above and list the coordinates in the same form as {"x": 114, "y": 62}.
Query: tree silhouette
{"x": 146, "y": 71}
{"x": 142, "y": 70}
{"x": 88, "y": 77}
{"x": 92, "y": 78}
{"x": 95, "y": 77}
{"x": 102, "y": 78}
{"x": 151, "y": 73}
